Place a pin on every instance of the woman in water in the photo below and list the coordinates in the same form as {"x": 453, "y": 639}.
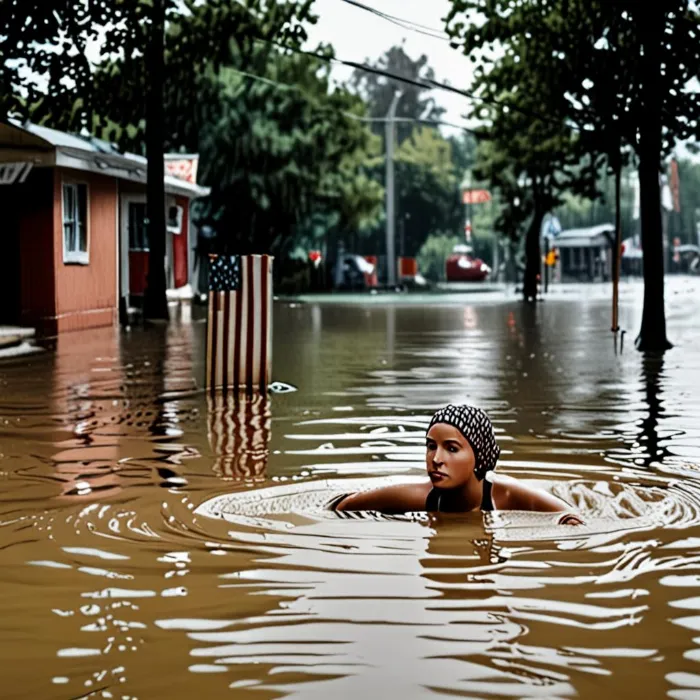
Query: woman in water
{"x": 461, "y": 454}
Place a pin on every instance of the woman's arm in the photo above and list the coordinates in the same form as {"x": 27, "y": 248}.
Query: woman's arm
{"x": 510, "y": 494}
{"x": 399, "y": 498}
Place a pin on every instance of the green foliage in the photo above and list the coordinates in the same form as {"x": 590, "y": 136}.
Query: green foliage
{"x": 277, "y": 155}
{"x": 429, "y": 167}
{"x": 434, "y": 253}
{"x": 47, "y": 75}
{"x": 378, "y": 92}
{"x": 608, "y": 69}
{"x": 684, "y": 224}
{"x": 277, "y": 145}
{"x": 427, "y": 185}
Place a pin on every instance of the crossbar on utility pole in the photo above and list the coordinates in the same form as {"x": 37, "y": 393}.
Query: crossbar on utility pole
{"x": 390, "y": 195}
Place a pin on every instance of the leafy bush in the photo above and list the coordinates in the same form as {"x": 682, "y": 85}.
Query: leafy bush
{"x": 434, "y": 253}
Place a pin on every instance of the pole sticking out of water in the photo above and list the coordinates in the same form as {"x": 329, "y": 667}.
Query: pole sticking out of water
{"x": 390, "y": 134}
{"x": 617, "y": 251}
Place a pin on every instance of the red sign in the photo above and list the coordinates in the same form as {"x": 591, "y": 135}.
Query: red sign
{"x": 315, "y": 256}
{"x": 476, "y": 196}
{"x": 182, "y": 167}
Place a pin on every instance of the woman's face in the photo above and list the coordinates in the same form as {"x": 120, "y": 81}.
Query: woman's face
{"x": 449, "y": 458}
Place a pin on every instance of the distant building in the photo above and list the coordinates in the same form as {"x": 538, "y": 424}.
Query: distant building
{"x": 73, "y": 235}
{"x": 585, "y": 254}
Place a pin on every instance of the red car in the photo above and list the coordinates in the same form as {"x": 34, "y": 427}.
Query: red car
{"x": 462, "y": 267}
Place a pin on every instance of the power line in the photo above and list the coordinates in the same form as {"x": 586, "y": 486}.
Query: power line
{"x": 413, "y": 120}
{"x": 419, "y": 82}
{"x": 399, "y": 21}
{"x": 351, "y": 115}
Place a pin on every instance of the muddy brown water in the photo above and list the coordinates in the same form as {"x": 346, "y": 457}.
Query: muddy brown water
{"x": 113, "y": 587}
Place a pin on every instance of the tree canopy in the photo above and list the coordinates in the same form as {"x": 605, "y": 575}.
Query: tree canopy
{"x": 618, "y": 77}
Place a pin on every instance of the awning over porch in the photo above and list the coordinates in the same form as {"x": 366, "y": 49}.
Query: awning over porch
{"x": 601, "y": 236}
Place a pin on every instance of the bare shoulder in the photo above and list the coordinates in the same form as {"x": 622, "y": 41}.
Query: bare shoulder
{"x": 401, "y": 497}
{"x": 511, "y": 494}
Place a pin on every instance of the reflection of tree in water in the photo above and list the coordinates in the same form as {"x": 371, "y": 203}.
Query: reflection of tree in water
{"x": 652, "y": 376}
{"x": 239, "y": 434}
{"x": 526, "y": 370}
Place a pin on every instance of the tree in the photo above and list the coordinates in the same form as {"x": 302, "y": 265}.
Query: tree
{"x": 427, "y": 183}
{"x": 286, "y": 155}
{"x": 625, "y": 82}
{"x": 52, "y": 47}
{"x": 434, "y": 253}
{"x": 529, "y": 161}
{"x": 378, "y": 91}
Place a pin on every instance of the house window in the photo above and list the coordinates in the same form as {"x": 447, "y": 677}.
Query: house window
{"x": 138, "y": 236}
{"x": 75, "y": 234}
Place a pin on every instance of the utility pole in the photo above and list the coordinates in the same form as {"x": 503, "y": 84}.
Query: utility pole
{"x": 390, "y": 195}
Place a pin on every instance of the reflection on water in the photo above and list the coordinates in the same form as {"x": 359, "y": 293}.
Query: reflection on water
{"x": 114, "y": 584}
{"x": 239, "y": 435}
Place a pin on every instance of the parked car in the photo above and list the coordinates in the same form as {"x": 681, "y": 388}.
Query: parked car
{"x": 689, "y": 258}
{"x": 461, "y": 266}
{"x": 355, "y": 273}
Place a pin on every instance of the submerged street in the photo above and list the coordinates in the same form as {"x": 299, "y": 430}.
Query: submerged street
{"x": 113, "y": 586}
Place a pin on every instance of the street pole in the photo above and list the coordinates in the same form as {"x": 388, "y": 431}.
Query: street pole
{"x": 617, "y": 253}
{"x": 390, "y": 195}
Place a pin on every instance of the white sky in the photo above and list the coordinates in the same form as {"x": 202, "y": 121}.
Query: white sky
{"x": 358, "y": 35}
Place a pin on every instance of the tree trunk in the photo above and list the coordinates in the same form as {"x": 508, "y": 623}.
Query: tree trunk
{"x": 533, "y": 264}
{"x": 155, "y": 304}
{"x": 652, "y": 335}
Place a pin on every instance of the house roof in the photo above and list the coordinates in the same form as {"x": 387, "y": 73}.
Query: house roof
{"x": 44, "y": 146}
{"x": 591, "y": 237}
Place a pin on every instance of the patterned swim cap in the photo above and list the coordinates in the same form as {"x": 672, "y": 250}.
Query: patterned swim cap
{"x": 477, "y": 429}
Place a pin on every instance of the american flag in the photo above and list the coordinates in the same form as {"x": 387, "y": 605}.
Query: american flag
{"x": 239, "y": 331}
{"x": 239, "y": 434}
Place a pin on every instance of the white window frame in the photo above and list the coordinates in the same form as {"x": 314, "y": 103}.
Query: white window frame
{"x": 76, "y": 257}
{"x": 174, "y": 227}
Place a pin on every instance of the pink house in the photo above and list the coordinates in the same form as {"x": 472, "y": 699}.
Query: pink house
{"x": 74, "y": 240}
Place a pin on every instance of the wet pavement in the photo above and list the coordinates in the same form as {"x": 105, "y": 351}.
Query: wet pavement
{"x": 114, "y": 587}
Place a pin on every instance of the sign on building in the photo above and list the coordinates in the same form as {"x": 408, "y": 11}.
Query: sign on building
{"x": 182, "y": 166}
{"x": 11, "y": 173}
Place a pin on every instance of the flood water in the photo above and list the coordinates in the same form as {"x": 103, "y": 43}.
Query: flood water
{"x": 113, "y": 587}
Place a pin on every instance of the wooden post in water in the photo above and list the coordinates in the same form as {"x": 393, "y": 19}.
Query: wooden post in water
{"x": 239, "y": 323}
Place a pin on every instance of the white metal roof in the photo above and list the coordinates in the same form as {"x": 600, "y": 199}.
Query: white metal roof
{"x": 591, "y": 237}
{"x": 44, "y": 146}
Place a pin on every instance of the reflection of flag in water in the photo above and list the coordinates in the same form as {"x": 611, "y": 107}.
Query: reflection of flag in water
{"x": 239, "y": 333}
{"x": 239, "y": 434}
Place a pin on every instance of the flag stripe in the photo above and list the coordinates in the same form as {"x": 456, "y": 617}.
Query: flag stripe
{"x": 220, "y": 339}
{"x": 210, "y": 330}
{"x": 237, "y": 338}
{"x": 213, "y": 310}
{"x": 257, "y": 315}
{"x": 250, "y": 331}
{"x": 241, "y": 340}
{"x": 226, "y": 339}
{"x": 231, "y": 345}
{"x": 263, "y": 322}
